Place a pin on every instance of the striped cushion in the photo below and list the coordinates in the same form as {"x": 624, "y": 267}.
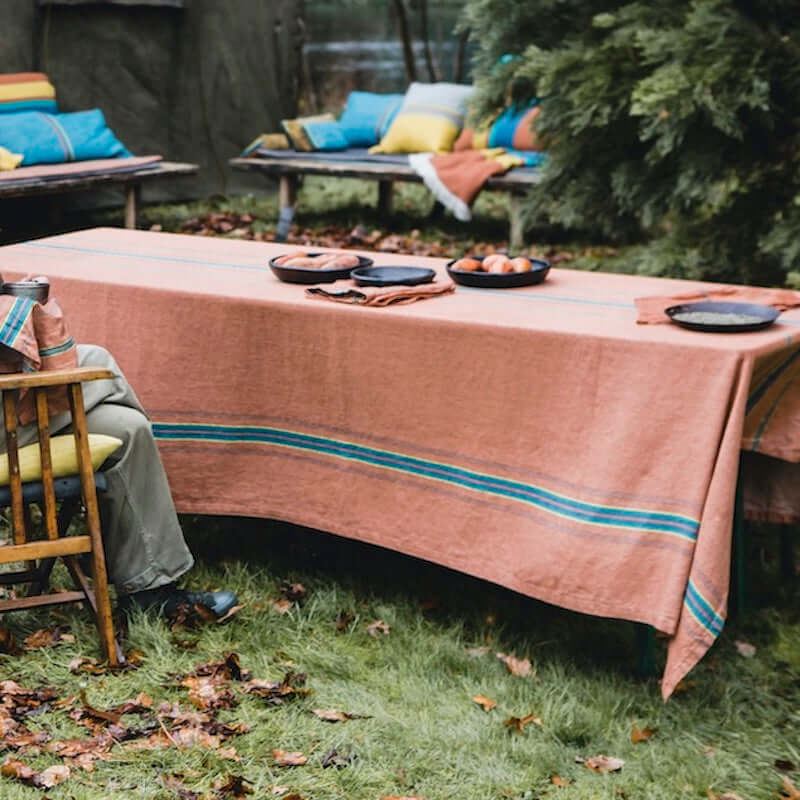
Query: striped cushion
{"x": 27, "y": 91}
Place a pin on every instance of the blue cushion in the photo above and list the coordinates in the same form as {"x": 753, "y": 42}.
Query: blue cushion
{"x": 325, "y": 135}
{"x": 367, "y": 117}
{"x": 56, "y": 138}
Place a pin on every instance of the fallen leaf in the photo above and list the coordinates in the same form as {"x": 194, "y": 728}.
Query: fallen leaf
{"x": 284, "y": 759}
{"x": 604, "y": 763}
{"x": 790, "y": 791}
{"x": 725, "y": 796}
{"x": 234, "y": 787}
{"x": 45, "y": 637}
{"x": 277, "y": 692}
{"x": 784, "y": 765}
{"x": 52, "y": 776}
{"x": 401, "y": 797}
{"x": 518, "y": 723}
{"x": 333, "y": 758}
{"x": 233, "y": 610}
{"x": 8, "y": 643}
{"x": 521, "y": 667}
{"x": 332, "y": 715}
{"x": 477, "y": 652}
{"x": 277, "y": 789}
{"x": 641, "y": 734}
{"x": 745, "y": 648}
{"x": 294, "y": 592}
{"x": 486, "y": 703}
{"x": 557, "y": 780}
{"x": 344, "y": 619}
{"x": 378, "y": 628}
{"x": 282, "y": 606}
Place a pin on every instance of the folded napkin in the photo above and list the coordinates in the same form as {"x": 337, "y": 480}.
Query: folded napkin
{"x": 34, "y": 336}
{"x": 347, "y": 292}
{"x": 651, "y": 309}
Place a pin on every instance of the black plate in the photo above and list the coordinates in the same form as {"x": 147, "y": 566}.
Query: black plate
{"x": 310, "y": 275}
{"x": 392, "y": 276}
{"x": 500, "y": 280}
{"x": 766, "y": 316}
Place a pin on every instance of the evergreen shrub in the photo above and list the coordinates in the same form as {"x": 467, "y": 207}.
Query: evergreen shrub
{"x": 671, "y": 123}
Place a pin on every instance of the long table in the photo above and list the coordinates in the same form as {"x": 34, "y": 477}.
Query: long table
{"x": 537, "y": 437}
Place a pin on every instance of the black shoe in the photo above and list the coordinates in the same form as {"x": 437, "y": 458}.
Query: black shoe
{"x": 169, "y": 600}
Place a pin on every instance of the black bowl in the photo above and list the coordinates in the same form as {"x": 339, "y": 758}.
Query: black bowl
{"x": 34, "y": 290}
{"x": 500, "y": 280}
{"x": 311, "y": 275}
{"x": 392, "y": 276}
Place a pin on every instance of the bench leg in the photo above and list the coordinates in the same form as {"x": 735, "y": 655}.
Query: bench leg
{"x": 385, "y": 198}
{"x": 287, "y": 199}
{"x": 131, "y": 200}
{"x": 516, "y": 238}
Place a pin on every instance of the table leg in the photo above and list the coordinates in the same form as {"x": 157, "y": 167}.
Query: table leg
{"x": 516, "y": 232}
{"x": 131, "y": 201}
{"x": 385, "y": 198}
{"x": 739, "y": 578}
{"x": 645, "y": 650}
{"x": 787, "y": 553}
{"x": 287, "y": 199}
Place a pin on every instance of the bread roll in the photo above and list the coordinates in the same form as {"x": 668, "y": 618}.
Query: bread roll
{"x": 521, "y": 264}
{"x": 345, "y": 260}
{"x": 281, "y": 260}
{"x": 497, "y": 263}
{"x": 466, "y": 265}
{"x": 299, "y": 261}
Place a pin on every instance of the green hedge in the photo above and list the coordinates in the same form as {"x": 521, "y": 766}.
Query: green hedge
{"x": 668, "y": 122}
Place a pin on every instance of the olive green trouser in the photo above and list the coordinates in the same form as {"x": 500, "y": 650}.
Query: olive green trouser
{"x": 143, "y": 541}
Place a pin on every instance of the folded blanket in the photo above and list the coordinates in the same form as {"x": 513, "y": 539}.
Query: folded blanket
{"x": 650, "y": 310}
{"x": 456, "y": 178}
{"x": 35, "y": 337}
{"x": 347, "y": 292}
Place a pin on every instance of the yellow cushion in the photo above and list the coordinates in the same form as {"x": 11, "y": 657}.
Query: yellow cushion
{"x": 429, "y": 120}
{"x": 9, "y": 160}
{"x": 297, "y": 136}
{"x": 62, "y": 455}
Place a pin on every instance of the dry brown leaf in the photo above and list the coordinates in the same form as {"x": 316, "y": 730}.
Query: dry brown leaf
{"x": 604, "y": 763}
{"x": 745, "y": 649}
{"x": 641, "y": 734}
{"x": 521, "y": 667}
{"x": 332, "y": 715}
{"x": 401, "y": 797}
{"x": 486, "y": 703}
{"x": 378, "y": 628}
{"x": 234, "y": 787}
{"x": 284, "y": 759}
{"x": 294, "y": 592}
{"x": 48, "y": 637}
{"x": 52, "y": 776}
{"x": 557, "y": 780}
{"x": 209, "y": 692}
{"x": 518, "y": 723}
{"x": 8, "y": 644}
{"x": 712, "y": 795}
{"x": 344, "y": 619}
{"x": 784, "y": 765}
{"x": 789, "y": 791}
{"x": 276, "y": 790}
{"x": 231, "y": 612}
{"x": 282, "y": 606}
{"x": 477, "y": 652}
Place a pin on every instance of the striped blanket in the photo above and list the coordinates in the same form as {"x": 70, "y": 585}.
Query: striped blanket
{"x": 34, "y": 336}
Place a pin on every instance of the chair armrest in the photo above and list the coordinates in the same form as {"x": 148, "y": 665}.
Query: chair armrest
{"x": 52, "y": 377}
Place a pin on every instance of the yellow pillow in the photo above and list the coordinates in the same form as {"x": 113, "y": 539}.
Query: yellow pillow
{"x": 62, "y": 455}
{"x": 297, "y": 136}
{"x": 429, "y": 120}
{"x": 9, "y": 160}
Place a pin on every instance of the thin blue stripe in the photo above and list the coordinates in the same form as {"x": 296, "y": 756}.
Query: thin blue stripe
{"x": 61, "y": 134}
{"x": 47, "y": 352}
{"x": 770, "y": 380}
{"x": 656, "y": 521}
{"x": 701, "y": 606}
{"x": 547, "y": 297}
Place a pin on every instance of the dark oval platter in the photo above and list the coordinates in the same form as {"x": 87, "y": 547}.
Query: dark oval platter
{"x": 311, "y": 275}
{"x": 709, "y": 316}
{"x": 500, "y": 280}
{"x": 392, "y": 276}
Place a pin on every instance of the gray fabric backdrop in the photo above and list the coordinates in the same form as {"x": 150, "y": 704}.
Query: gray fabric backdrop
{"x": 195, "y": 83}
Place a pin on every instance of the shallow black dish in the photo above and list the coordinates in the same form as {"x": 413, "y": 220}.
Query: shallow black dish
{"x": 311, "y": 275}
{"x": 500, "y": 280}
{"x": 766, "y": 316}
{"x": 392, "y": 276}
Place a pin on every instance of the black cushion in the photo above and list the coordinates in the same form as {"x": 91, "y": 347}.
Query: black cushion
{"x": 65, "y": 489}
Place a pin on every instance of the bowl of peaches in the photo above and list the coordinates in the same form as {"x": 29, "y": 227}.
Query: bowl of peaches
{"x": 498, "y": 271}
{"x": 300, "y": 266}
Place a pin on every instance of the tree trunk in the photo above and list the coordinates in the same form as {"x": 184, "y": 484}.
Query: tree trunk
{"x": 405, "y": 36}
{"x": 460, "y": 59}
{"x": 433, "y": 72}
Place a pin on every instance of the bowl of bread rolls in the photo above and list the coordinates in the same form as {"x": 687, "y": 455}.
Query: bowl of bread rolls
{"x": 299, "y": 266}
{"x": 498, "y": 271}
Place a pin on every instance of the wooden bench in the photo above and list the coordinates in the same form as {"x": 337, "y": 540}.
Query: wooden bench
{"x": 288, "y": 170}
{"x": 129, "y": 181}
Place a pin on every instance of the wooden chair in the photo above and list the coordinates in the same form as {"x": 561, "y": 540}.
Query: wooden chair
{"x": 39, "y": 555}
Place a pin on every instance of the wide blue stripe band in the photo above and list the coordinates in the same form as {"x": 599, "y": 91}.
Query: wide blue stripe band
{"x": 15, "y": 320}
{"x": 770, "y": 380}
{"x": 656, "y": 521}
{"x": 701, "y": 607}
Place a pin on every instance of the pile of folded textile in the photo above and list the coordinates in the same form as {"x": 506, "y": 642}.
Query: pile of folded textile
{"x": 32, "y": 131}
{"x": 428, "y": 124}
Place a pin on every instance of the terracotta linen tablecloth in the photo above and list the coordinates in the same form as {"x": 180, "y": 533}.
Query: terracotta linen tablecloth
{"x": 534, "y": 437}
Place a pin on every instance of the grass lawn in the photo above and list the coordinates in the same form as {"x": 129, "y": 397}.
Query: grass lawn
{"x": 422, "y": 734}
{"x": 732, "y": 731}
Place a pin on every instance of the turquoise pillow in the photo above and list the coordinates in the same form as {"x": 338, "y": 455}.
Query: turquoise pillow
{"x": 367, "y": 116}
{"x": 55, "y": 138}
{"x": 325, "y": 135}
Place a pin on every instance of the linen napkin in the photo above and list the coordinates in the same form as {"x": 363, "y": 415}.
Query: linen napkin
{"x": 346, "y": 291}
{"x": 34, "y": 336}
{"x": 650, "y": 310}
